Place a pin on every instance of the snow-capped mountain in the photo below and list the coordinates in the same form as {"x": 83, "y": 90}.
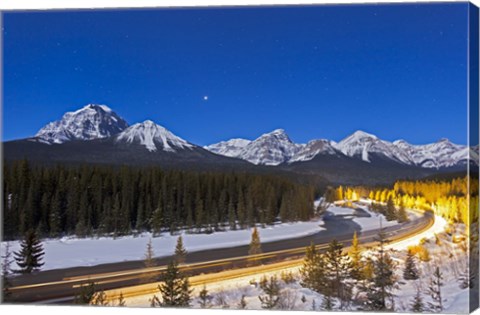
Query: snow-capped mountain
{"x": 103, "y": 136}
{"x": 276, "y": 148}
{"x": 153, "y": 137}
{"x": 88, "y": 123}
{"x": 231, "y": 148}
{"x": 363, "y": 145}
{"x": 314, "y": 148}
{"x": 442, "y": 153}
{"x": 271, "y": 148}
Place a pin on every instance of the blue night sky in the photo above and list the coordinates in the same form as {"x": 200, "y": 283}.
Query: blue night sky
{"x": 397, "y": 71}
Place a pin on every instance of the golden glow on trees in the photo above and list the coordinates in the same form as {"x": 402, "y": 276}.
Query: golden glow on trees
{"x": 449, "y": 199}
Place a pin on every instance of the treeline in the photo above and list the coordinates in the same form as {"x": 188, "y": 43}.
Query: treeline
{"x": 96, "y": 200}
{"x": 454, "y": 199}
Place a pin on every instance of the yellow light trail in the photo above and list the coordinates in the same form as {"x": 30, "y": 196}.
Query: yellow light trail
{"x": 105, "y": 278}
{"x": 152, "y": 288}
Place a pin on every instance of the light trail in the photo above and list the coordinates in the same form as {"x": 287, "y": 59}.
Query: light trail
{"x": 146, "y": 289}
{"x": 400, "y": 234}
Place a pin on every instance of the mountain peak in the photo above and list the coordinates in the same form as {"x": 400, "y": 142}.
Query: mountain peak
{"x": 97, "y": 106}
{"x": 152, "y": 136}
{"x": 363, "y": 134}
{"x": 278, "y": 131}
{"x": 443, "y": 140}
{"x": 149, "y": 122}
{"x": 279, "y": 134}
{"x": 90, "y": 122}
{"x": 231, "y": 148}
{"x": 401, "y": 142}
{"x": 271, "y": 148}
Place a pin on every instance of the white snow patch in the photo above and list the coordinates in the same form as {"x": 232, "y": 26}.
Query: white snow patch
{"x": 149, "y": 134}
{"x": 367, "y": 223}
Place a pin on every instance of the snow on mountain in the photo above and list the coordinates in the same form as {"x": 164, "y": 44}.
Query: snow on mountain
{"x": 314, "y": 148}
{"x": 272, "y": 148}
{"x": 231, "y": 148}
{"x": 442, "y": 153}
{"x": 361, "y": 144}
{"x": 99, "y": 121}
{"x": 88, "y": 123}
{"x": 153, "y": 137}
{"x": 276, "y": 147}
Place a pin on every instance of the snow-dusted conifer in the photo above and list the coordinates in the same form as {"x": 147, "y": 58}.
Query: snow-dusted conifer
{"x": 271, "y": 289}
{"x": 410, "y": 272}
{"x": 435, "y": 291}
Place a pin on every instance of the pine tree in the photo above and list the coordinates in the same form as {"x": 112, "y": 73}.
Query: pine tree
{"x": 380, "y": 287}
{"x": 417, "y": 303}
{"x": 402, "y": 213}
{"x": 337, "y": 272}
{"x": 121, "y": 300}
{"x": 6, "y": 271}
{"x": 313, "y": 270}
{"x": 55, "y": 216}
{"x": 410, "y": 272}
{"x": 140, "y": 220}
{"x": 205, "y": 298}
{"x": 285, "y": 211}
{"x": 180, "y": 251}
{"x": 243, "y": 303}
{"x": 241, "y": 212}
{"x": 390, "y": 211}
{"x": 30, "y": 256}
{"x": 149, "y": 255}
{"x": 328, "y": 302}
{"x": 255, "y": 245}
{"x": 435, "y": 291}
{"x": 158, "y": 218}
{"x": 199, "y": 212}
{"x": 467, "y": 278}
{"x": 356, "y": 258}
{"x": 231, "y": 215}
{"x": 155, "y": 301}
{"x": 86, "y": 294}
{"x": 175, "y": 289}
{"x": 59, "y": 200}
{"x": 116, "y": 215}
{"x": 271, "y": 289}
{"x": 149, "y": 262}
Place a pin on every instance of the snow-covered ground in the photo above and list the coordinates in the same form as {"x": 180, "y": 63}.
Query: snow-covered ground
{"x": 367, "y": 223}
{"x": 71, "y": 252}
{"x": 445, "y": 250}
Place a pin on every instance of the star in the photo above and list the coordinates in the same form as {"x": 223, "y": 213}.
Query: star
{"x": 205, "y": 98}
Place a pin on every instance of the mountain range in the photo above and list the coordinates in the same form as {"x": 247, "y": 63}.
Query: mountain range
{"x": 275, "y": 148}
{"x": 96, "y": 134}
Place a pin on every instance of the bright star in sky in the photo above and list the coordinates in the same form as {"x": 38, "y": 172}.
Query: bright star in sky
{"x": 205, "y": 98}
